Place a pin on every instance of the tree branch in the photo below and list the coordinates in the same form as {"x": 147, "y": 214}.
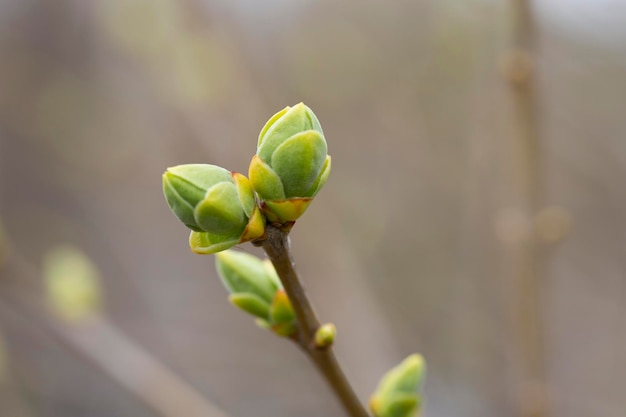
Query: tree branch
{"x": 277, "y": 248}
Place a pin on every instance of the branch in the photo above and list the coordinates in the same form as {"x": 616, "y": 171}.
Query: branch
{"x": 277, "y": 248}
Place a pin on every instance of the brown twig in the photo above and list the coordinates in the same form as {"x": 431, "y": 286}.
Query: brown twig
{"x": 276, "y": 245}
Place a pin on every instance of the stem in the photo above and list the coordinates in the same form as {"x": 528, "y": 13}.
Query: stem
{"x": 277, "y": 248}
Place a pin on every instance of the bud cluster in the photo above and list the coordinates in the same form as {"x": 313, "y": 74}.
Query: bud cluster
{"x": 223, "y": 208}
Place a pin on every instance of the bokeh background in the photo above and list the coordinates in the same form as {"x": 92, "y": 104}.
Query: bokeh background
{"x": 475, "y": 212}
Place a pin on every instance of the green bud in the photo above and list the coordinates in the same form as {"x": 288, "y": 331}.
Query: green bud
{"x": 255, "y": 288}
{"x": 216, "y": 204}
{"x": 251, "y": 284}
{"x": 325, "y": 335}
{"x": 397, "y": 405}
{"x": 242, "y": 273}
{"x": 291, "y": 164}
{"x": 281, "y": 310}
{"x": 250, "y": 303}
{"x": 282, "y": 317}
{"x": 72, "y": 283}
{"x": 398, "y": 394}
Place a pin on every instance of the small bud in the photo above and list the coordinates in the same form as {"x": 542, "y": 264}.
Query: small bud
{"x": 72, "y": 283}
{"x": 325, "y": 335}
{"x": 242, "y": 273}
{"x": 217, "y": 205}
{"x": 291, "y": 164}
{"x": 282, "y": 317}
{"x": 255, "y": 288}
{"x": 395, "y": 405}
{"x": 398, "y": 394}
{"x": 281, "y": 311}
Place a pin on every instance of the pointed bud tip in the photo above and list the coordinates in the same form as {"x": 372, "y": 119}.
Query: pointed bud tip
{"x": 415, "y": 361}
{"x": 397, "y": 393}
{"x": 291, "y": 164}
{"x": 281, "y": 310}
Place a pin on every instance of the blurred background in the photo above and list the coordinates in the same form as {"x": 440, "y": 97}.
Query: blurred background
{"x": 475, "y": 212}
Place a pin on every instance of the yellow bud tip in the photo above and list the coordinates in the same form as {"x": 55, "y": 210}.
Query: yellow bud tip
{"x": 414, "y": 365}
{"x": 289, "y": 209}
{"x": 255, "y": 228}
{"x": 374, "y": 404}
{"x": 415, "y": 361}
{"x": 325, "y": 336}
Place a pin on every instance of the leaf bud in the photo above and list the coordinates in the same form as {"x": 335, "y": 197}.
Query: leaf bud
{"x": 217, "y": 205}
{"x": 255, "y": 288}
{"x": 72, "y": 283}
{"x": 291, "y": 164}
{"x": 282, "y": 317}
{"x": 398, "y": 394}
{"x": 242, "y": 273}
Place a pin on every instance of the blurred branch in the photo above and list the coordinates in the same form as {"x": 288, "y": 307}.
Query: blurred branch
{"x": 525, "y": 250}
{"x": 99, "y": 341}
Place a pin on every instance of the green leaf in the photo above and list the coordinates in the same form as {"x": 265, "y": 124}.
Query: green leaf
{"x": 299, "y": 162}
{"x": 397, "y": 392}
{"x": 281, "y": 310}
{"x": 399, "y": 405}
{"x": 285, "y": 329}
{"x": 405, "y": 377}
{"x": 255, "y": 227}
{"x": 184, "y": 186}
{"x": 175, "y": 190}
{"x": 251, "y": 304}
{"x": 270, "y": 123}
{"x": 289, "y": 209}
{"x": 271, "y": 273}
{"x": 321, "y": 179}
{"x": 294, "y": 121}
{"x": 245, "y": 192}
{"x": 221, "y": 212}
{"x": 202, "y": 176}
{"x": 204, "y": 243}
{"x": 244, "y": 273}
{"x": 265, "y": 181}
